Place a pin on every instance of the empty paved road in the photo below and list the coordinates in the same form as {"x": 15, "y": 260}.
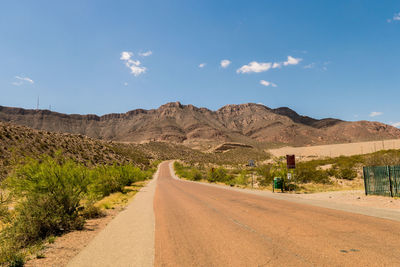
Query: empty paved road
{"x": 199, "y": 225}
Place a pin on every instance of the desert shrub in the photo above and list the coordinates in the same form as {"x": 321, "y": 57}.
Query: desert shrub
{"x": 105, "y": 180}
{"x": 217, "y": 175}
{"x": 265, "y": 171}
{"x": 346, "y": 173}
{"x": 91, "y": 211}
{"x": 306, "y": 173}
{"x": 4, "y": 202}
{"x": 10, "y": 254}
{"x": 196, "y": 175}
{"x": 49, "y": 194}
{"x": 187, "y": 172}
{"x": 54, "y": 195}
{"x": 241, "y": 178}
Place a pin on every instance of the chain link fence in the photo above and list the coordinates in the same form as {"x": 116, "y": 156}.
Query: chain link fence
{"x": 382, "y": 180}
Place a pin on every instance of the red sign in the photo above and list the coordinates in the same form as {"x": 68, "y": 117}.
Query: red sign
{"x": 291, "y": 161}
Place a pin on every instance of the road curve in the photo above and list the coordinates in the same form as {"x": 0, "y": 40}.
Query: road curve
{"x": 199, "y": 225}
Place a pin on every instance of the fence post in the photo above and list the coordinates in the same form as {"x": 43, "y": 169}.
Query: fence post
{"x": 390, "y": 181}
{"x": 365, "y": 180}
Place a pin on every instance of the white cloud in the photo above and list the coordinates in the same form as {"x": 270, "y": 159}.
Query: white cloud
{"x": 202, "y": 65}
{"x": 126, "y": 55}
{"x": 396, "y": 17}
{"x": 276, "y": 65}
{"x": 125, "y": 84}
{"x": 22, "y": 80}
{"x": 225, "y": 63}
{"x": 27, "y": 79}
{"x": 133, "y": 65}
{"x": 309, "y": 66}
{"x": 396, "y": 124}
{"x": 375, "y": 113}
{"x": 292, "y": 61}
{"x": 146, "y": 54}
{"x": 254, "y": 66}
{"x": 266, "y": 83}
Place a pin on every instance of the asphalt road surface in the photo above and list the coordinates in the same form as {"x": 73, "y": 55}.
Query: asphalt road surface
{"x": 199, "y": 225}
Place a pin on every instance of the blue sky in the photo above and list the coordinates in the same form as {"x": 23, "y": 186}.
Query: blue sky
{"x": 321, "y": 58}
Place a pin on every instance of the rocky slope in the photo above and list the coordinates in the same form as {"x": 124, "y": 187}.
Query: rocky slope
{"x": 187, "y": 124}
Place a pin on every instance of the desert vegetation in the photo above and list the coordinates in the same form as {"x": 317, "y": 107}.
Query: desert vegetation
{"x": 309, "y": 176}
{"x": 49, "y": 196}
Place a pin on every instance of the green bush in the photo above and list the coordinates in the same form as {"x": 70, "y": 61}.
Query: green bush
{"x": 105, "y": 180}
{"x": 187, "y": 172}
{"x": 346, "y": 173}
{"x": 4, "y": 202}
{"x": 306, "y": 173}
{"x": 49, "y": 194}
{"x": 242, "y": 178}
{"x": 217, "y": 175}
{"x": 196, "y": 174}
{"x": 265, "y": 171}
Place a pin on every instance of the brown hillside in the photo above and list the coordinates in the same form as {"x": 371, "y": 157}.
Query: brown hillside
{"x": 187, "y": 124}
{"x": 19, "y": 142}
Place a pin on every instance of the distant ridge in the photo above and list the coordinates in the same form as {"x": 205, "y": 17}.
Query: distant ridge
{"x": 173, "y": 122}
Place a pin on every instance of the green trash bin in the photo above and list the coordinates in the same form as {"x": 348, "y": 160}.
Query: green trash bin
{"x": 278, "y": 183}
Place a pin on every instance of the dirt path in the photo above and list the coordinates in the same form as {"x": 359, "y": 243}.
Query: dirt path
{"x": 200, "y": 225}
{"x": 128, "y": 240}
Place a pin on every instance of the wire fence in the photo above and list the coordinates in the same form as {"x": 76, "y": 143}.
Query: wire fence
{"x": 382, "y": 180}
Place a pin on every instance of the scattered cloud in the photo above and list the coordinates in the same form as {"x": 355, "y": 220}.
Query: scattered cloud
{"x": 318, "y": 66}
{"x": 202, "y": 65}
{"x": 276, "y": 65}
{"x": 292, "y": 61}
{"x": 375, "y": 113}
{"x": 396, "y": 124}
{"x": 266, "y": 83}
{"x": 133, "y": 65}
{"x": 146, "y": 54}
{"x": 309, "y": 66}
{"x": 254, "y": 66}
{"x": 22, "y": 80}
{"x": 225, "y": 63}
{"x": 125, "y": 84}
{"x": 396, "y": 17}
{"x": 126, "y": 55}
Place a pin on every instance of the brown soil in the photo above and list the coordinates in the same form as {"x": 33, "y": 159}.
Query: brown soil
{"x": 69, "y": 245}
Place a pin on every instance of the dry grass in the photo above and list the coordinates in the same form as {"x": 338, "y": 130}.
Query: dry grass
{"x": 120, "y": 199}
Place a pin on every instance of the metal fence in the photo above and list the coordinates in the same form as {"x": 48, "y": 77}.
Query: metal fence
{"x": 382, "y": 180}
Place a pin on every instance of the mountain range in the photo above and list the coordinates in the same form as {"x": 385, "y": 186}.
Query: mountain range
{"x": 173, "y": 122}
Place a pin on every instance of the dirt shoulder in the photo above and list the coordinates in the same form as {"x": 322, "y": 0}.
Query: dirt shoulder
{"x": 354, "y": 197}
{"x": 69, "y": 245}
